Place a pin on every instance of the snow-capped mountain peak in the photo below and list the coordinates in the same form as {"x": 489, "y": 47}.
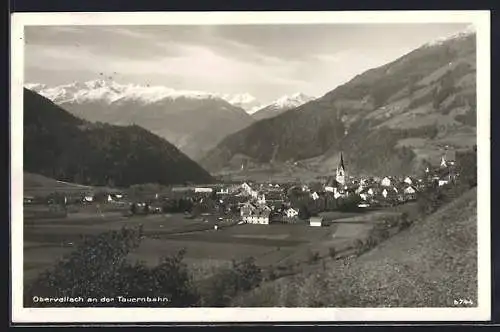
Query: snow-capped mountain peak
{"x": 282, "y": 104}
{"x": 108, "y": 91}
{"x": 469, "y": 30}
{"x": 291, "y": 101}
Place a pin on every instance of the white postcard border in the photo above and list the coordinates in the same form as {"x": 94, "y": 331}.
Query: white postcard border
{"x": 481, "y": 21}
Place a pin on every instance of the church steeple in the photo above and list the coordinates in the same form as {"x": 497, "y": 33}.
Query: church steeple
{"x": 443, "y": 162}
{"x": 340, "y": 176}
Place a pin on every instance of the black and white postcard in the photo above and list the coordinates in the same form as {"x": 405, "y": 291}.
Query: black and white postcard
{"x": 250, "y": 166}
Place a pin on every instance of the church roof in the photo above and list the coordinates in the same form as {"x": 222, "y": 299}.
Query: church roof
{"x": 341, "y": 163}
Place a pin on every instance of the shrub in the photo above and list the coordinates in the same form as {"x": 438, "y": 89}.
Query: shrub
{"x": 404, "y": 222}
{"x": 223, "y": 287}
{"x": 312, "y": 256}
{"x": 332, "y": 252}
{"x": 349, "y": 203}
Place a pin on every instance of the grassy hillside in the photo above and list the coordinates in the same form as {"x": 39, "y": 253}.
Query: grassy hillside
{"x": 387, "y": 120}
{"x": 61, "y": 146}
{"x": 430, "y": 264}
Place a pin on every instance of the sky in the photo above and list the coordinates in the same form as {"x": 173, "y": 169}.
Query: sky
{"x": 266, "y": 61}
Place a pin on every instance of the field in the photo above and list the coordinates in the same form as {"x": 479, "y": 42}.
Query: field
{"x": 48, "y": 239}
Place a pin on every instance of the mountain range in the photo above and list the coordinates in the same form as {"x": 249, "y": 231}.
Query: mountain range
{"x": 388, "y": 120}
{"x": 191, "y": 120}
{"x": 194, "y": 121}
{"x": 64, "y": 147}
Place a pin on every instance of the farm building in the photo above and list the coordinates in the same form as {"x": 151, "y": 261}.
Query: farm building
{"x": 202, "y": 190}
{"x": 408, "y": 180}
{"x": 442, "y": 182}
{"x": 316, "y": 221}
{"x": 410, "y": 192}
{"x": 223, "y": 191}
{"x": 258, "y": 216}
{"x": 386, "y": 182}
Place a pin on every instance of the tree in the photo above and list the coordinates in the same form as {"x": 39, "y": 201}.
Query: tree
{"x": 85, "y": 271}
{"x": 304, "y": 212}
{"x": 242, "y": 276}
{"x": 146, "y": 208}
{"x": 332, "y": 252}
{"x": 349, "y": 203}
{"x": 98, "y": 268}
{"x": 312, "y": 256}
{"x": 249, "y": 275}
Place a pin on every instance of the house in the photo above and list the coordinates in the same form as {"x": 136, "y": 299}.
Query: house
{"x": 386, "y": 182}
{"x": 363, "y": 205}
{"x": 255, "y": 214}
{"x": 314, "y": 195}
{"x": 258, "y": 216}
{"x": 408, "y": 180}
{"x": 292, "y": 213}
{"x": 202, "y": 190}
{"x": 181, "y": 189}
{"x": 246, "y": 188}
{"x": 88, "y": 198}
{"x": 329, "y": 189}
{"x": 442, "y": 182}
{"x": 316, "y": 221}
{"x": 247, "y": 209}
{"x": 410, "y": 192}
{"x": 261, "y": 199}
{"x": 223, "y": 191}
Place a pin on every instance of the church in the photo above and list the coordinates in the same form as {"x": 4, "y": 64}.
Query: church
{"x": 338, "y": 185}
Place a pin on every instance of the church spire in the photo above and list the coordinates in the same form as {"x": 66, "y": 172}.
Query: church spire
{"x": 341, "y": 164}
{"x": 340, "y": 176}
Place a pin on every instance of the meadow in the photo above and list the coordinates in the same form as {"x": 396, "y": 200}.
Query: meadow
{"x": 47, "y": 239}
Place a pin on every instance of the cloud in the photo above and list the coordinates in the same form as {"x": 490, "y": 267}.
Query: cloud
{"x": 267, "y": 61}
